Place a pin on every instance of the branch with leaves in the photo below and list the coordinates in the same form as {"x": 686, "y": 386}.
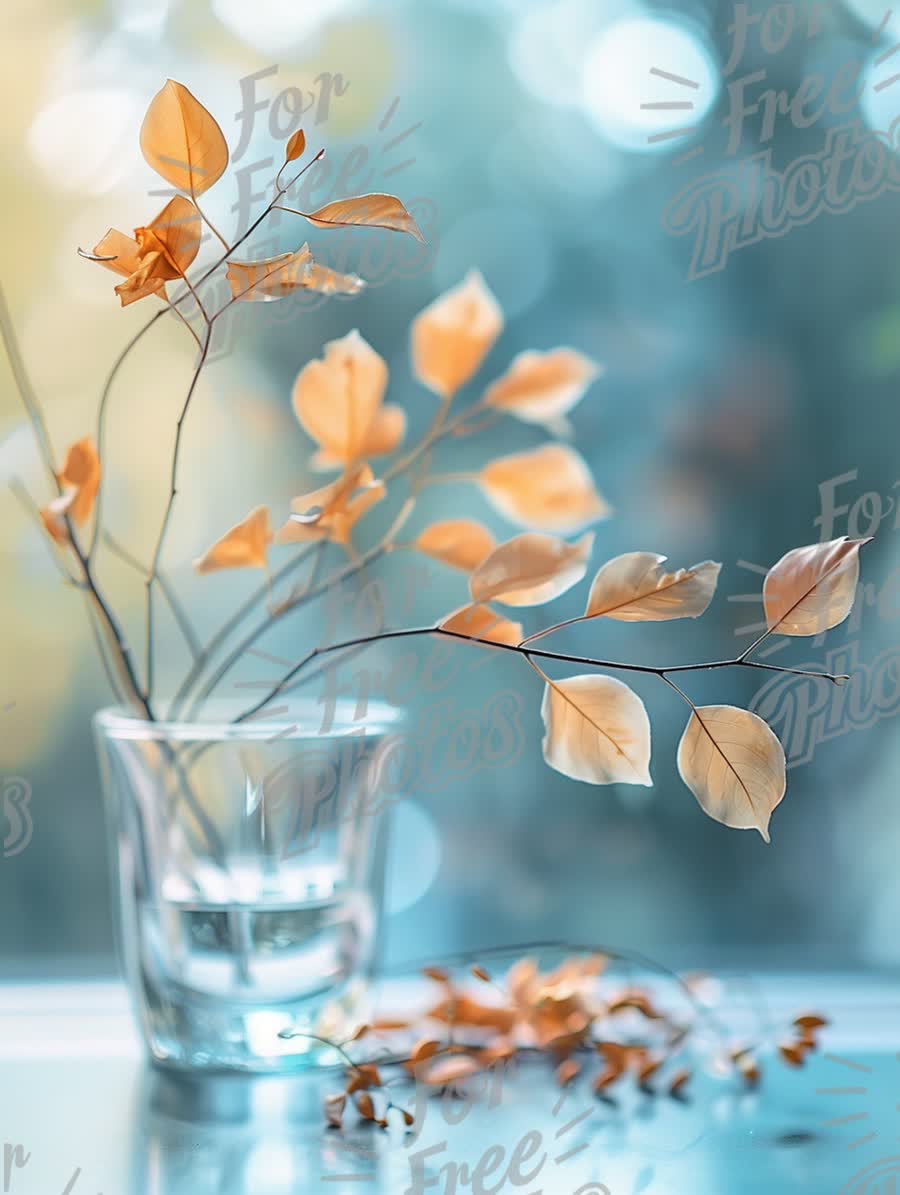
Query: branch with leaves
{"x": 597, "y": 728}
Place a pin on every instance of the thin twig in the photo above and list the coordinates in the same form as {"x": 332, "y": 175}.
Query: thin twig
{"x": 179, "y": 613}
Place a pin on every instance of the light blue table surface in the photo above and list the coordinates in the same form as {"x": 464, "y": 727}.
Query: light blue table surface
{"x": 91, "y": 1117}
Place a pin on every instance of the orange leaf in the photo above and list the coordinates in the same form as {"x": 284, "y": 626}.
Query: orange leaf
{"x": 792, "y": 1054}
{"x": 480, "y": 973}
{"x": 372, "y": 211}
{"x": 424, "y": 1050}
{"x": 633, "y": 588}
{"x": 338, "y": 401}
{"x": 810, "y": 1021}
{"x": 811, "y": 590}
{"x": 270, "y": 278}
{"x": 364, "y": 1105}
{"x": 481, "y": 622}
{"x": 447, "y": 1071}
{"x": 550, "y": 488}
{"x": 175, "y": 235}
{"x": 331, "y": 512}
{"x": 363, "y": 1078}
{"x": 438, "y": 974}
{"x": 123, "y": 257}
{"x": 182, "y": 141}
{"x": 454, "y": 334}
{"x": 295, "y": 146}
{"x": 567, "y": 1071}
{"x": 734, "y": 765}
{"x": 542, "y": 387}
{"x": 53, "y": 517}
{"x": 329, "y": 282}
{"x": 243, "y": 546}
{"x": 460, "y": 543}
{"x": 81, "y": 474}
{"x": 530, "y": 570}
{"x": 678, "y": 1082}
{"x": 597, "y": 730}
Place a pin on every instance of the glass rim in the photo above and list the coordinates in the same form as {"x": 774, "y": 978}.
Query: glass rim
{"x": 379, "y": 719}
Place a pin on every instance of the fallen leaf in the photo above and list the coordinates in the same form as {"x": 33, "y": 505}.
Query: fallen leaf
{"x": 454, "y": 334}
{"x": 270, "y": 278}
{"x": 365, "y": 1105}
{"x": 372, "y": 211}
{"x": 811, "y": 590}
{"x": 480, "y": 973}
{"x": 542, "y": 387}
{"x": 438, "y": 974}
{"x": 463, "y": 1010}
{"x": 243, "y": 546}
{"x": 567, "y": 1071}
{"x": 334, "y": 1109}
{"x": 679, "y": 1081}
{"x": 481, "y": 622}
{"x": 734, "y": 765}
{"x": 338, "y": 401}
{"x": 634, "y": 588}
{"x": 549, "y": 488}
{"x": 810, "y": 1021}
{"x": 423, "y": 1050}
{"x": 295, "y": 146}
{"x": 606, "y": 1079}
{"x": 597, "y": 730}
{"x": 459, "y": 543}
{"x": 530, "y": 570}
{"x": 363, "y": 1078}
{"x": 182, "y": 141}
{"x": 447, "y": 1071}
{"x": 792, "y": 1054}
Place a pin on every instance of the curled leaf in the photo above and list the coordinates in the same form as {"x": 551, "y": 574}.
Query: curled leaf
{"x": 597, "y": 730}
{"x": 295, "y": 147}
{"x": 365, "y": 1105}
{"x": 634, "y": 588}
{"x": 530, "y": 569}
{"x": 460, "y": 543}
{"x": 811, "y": 590}
{"x": 480, "y": 973}
{"x": 363, "y": 1078}
{"x": 481, "y": 622}
{"x": 182, "y": 141}
{"x": 549, "y": 488}
{"x": 734, "y": 765}
{"x": 678, "y": 1082}
{"x": 160, "y": 252}
{"x": 792, "y": 1054}
{"x": 270, "y": 278}
{"x": 567, "y": 1071}
{"x": 243, "y": 546}
{"x": 809, "y": 1022}
{"x": 454, "y": 334}
{"x": 423, "y": 1050}
{"x": 338, "y": 401}
{"x": 542, "y": 387}
{"x": 372, "y": 211}
{"x": 331, "y": 513}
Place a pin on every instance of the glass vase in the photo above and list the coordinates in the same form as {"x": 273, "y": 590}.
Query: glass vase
{"x": 250, "y": 867}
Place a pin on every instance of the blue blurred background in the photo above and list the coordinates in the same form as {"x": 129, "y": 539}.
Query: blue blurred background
{"x": 737, "y": 405}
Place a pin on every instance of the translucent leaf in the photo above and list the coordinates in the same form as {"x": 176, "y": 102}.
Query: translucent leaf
{"x": 182, "y": 141}
{"x": 340, "y": 505}
{"x": 634, "y": 588}
{"x": 530, "y": 569}
{"x": 373, "y": 211}
{"x": 242, "y": 546}
{"x": 338, "y": 401}
{"x": 454, "y": 334}
{"x": 812, "y": 589}
{"x": 81, "y": 475}
{"x": 460, "y": 543}
{"x": 270, "y": 278}
{"x": 330, "y": 282}
{"x": 734, "y": 765}
{"x": 542, "y": 387}
{"x": 481, "y": 622}
{"x": 549, "y": 488}
{"x": 597, "y": 730}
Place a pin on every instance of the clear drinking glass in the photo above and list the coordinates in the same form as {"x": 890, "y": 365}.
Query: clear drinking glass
{"x": 250, "y": 863}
